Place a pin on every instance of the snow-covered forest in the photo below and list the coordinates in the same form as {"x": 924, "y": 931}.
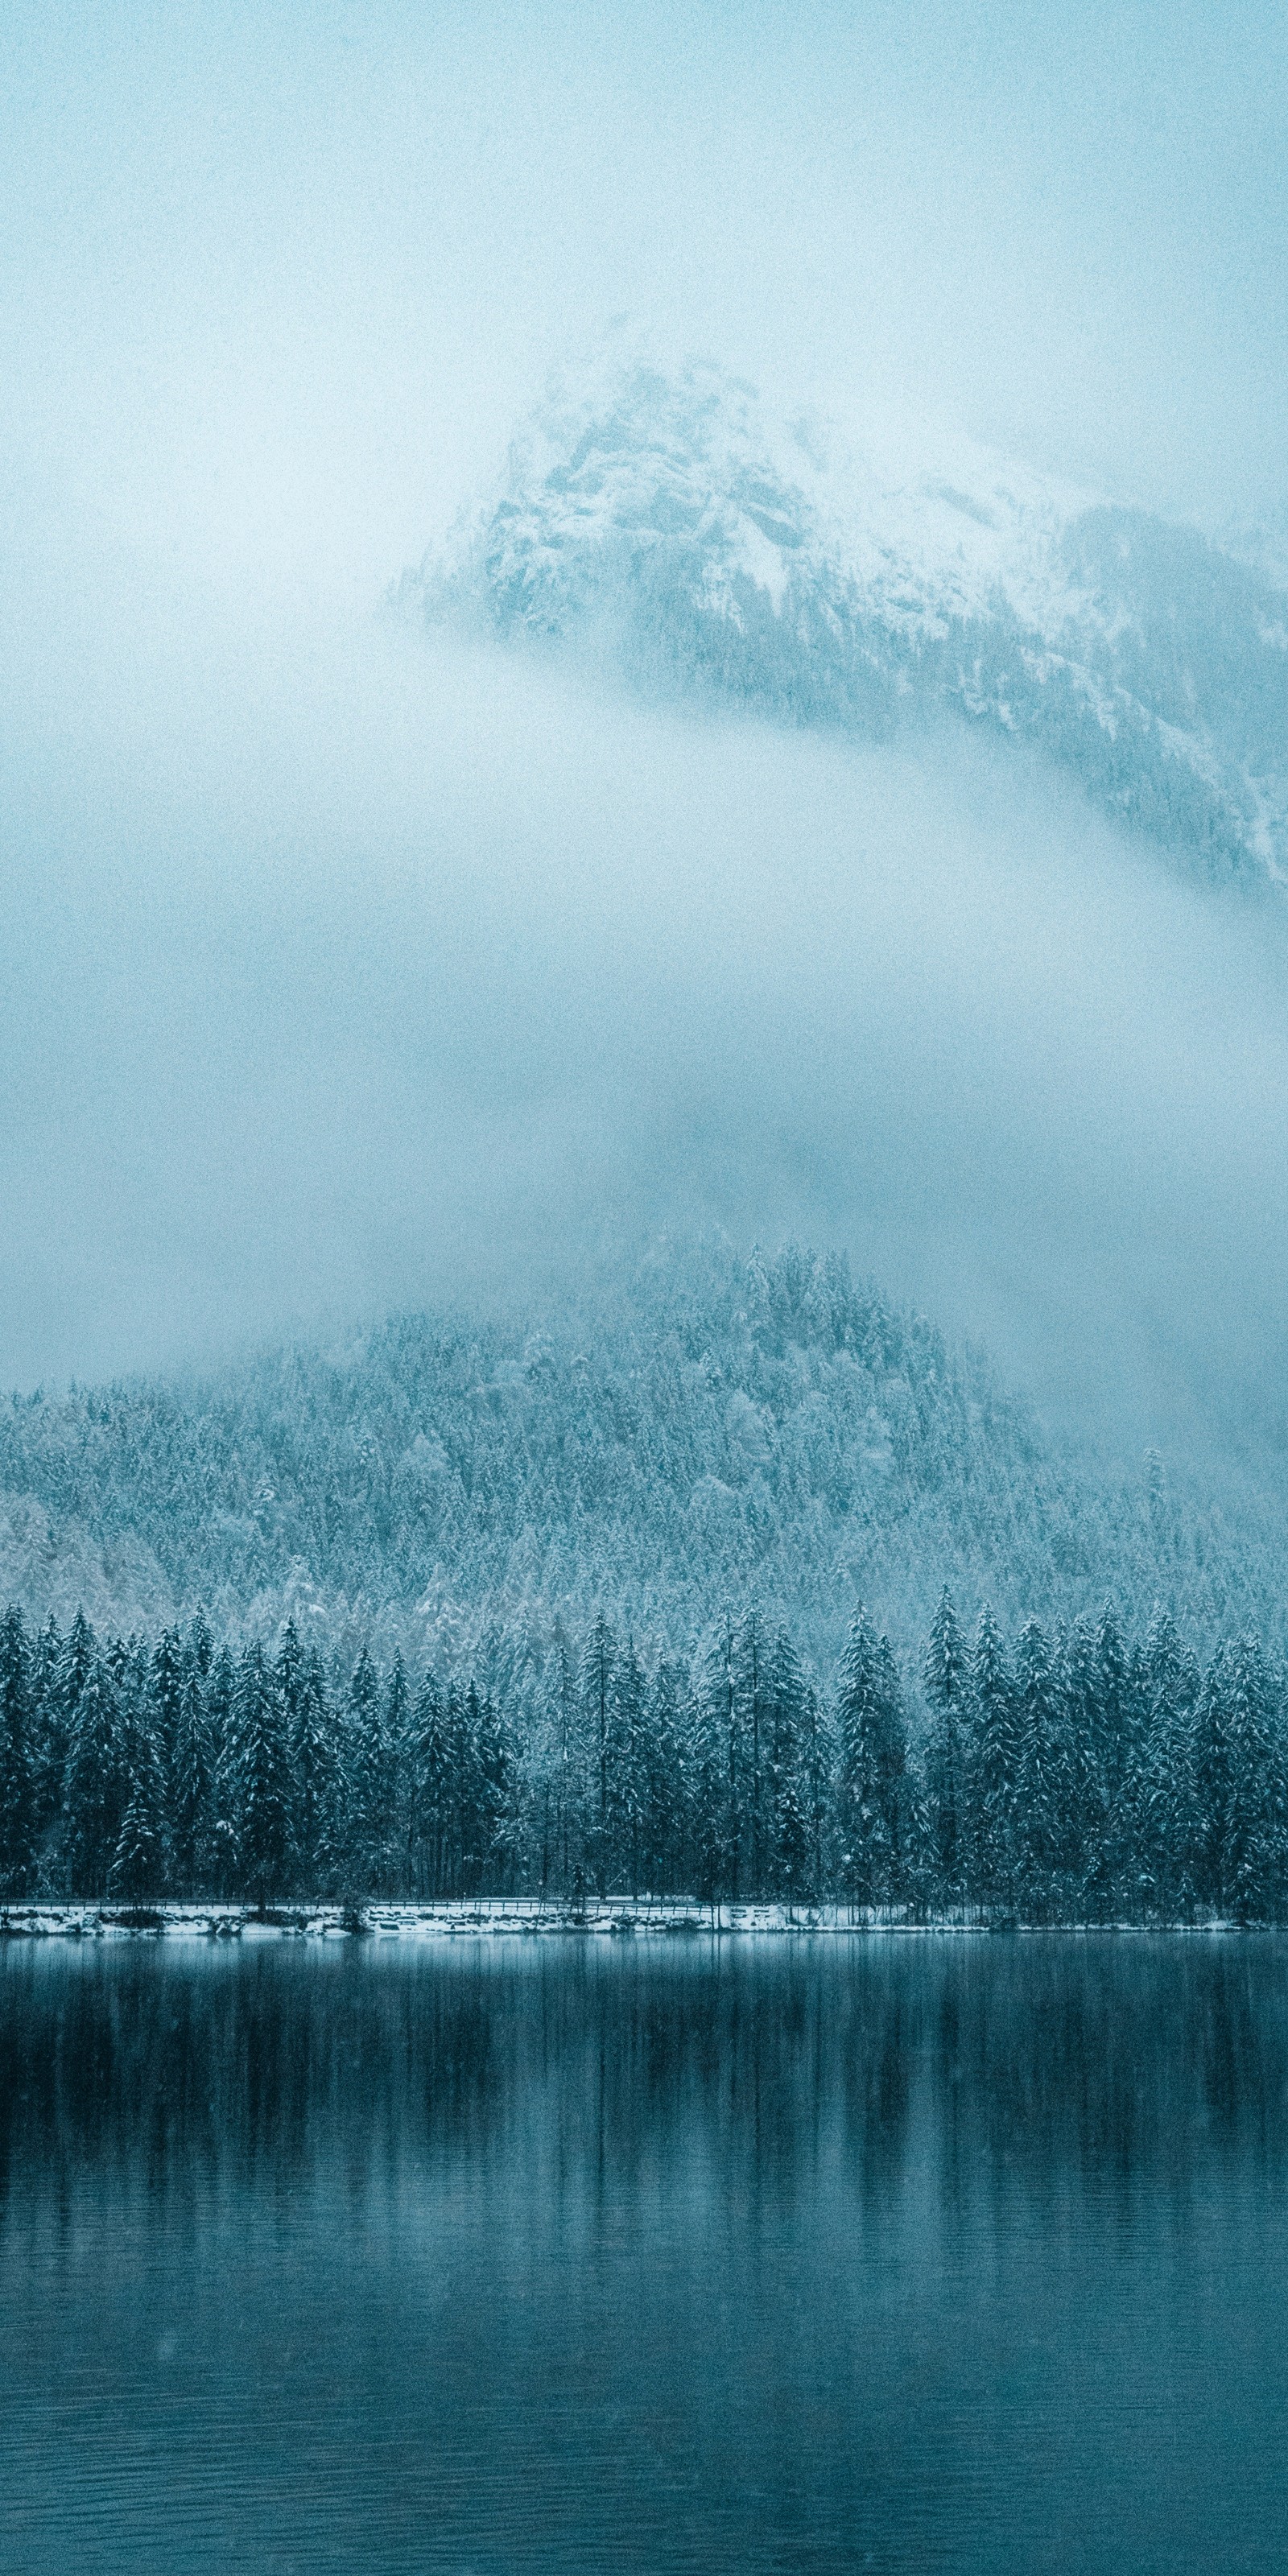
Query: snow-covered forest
{"x": 1081, "y": 1775}
{"x": 575, "y": 1604}
{"x": 703, "y": 1431}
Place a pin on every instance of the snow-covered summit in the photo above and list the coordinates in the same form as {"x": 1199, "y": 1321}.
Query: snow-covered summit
{"x": 676, "y": 519}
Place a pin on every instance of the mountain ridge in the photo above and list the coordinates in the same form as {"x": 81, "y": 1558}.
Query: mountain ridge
{"x": 676, "y": 522}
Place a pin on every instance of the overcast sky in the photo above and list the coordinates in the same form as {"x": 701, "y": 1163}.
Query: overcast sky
{"x": 278, "y": 276}
{"x": 333, "y": 973}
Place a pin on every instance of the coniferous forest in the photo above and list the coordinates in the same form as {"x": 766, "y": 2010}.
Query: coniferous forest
{"x": 693, "y": 1430}
{"x": 1080, "y": 1775}
{"x": 506, "y": 1611}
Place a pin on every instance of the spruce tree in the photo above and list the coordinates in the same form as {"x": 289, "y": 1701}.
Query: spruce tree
{"x": 259, "y": 1781}
{"x": 993, "y": 1769}
{"x": 598, "y": 1661}
{"x": 945, "y": 1674}
{"x": 17, "y": 1759}
{"x": 1164, "y": 1817}
{"x": 791, "y": 1839}
{"x": 139, "y": 1861}
{"x": 431, "y": 1793}
{"x": 90, "y": 1818}
{"x": 494, "y": 1776}
{"x": 872, "y": 1767}
{"x": 1044, "y": 1782}
{"x": 192, "y": 1777}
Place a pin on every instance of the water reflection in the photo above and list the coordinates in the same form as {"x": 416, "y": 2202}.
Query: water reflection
{"x": 910, "y": 2254}
{"x": 1134, "y": 2062}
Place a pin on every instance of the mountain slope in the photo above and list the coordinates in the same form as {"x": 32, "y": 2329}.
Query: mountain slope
{"x": 675, "y": 522}
{"x": 707, "y": 1432}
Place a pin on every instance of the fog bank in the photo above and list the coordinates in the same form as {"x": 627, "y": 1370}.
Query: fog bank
{"x": 341, "y": 970}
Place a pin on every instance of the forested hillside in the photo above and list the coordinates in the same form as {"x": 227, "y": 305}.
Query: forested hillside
{"x": 1080, "y": 1776}
{"x": 707, "y": 1432}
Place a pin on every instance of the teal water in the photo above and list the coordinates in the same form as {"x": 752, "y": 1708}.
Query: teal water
{"x": 910, "y": 2255}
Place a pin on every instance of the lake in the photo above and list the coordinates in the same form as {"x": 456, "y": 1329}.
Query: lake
{"x": 906, "y": 2254}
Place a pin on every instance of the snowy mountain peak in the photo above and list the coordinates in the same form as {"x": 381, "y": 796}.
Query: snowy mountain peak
{"x": 750, "y": 553}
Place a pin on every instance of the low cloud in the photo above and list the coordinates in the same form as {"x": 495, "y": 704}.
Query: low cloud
{"x": 341, "y": 970}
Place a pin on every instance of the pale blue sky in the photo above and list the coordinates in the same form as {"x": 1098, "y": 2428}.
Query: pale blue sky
{"x": 277, "y": 277}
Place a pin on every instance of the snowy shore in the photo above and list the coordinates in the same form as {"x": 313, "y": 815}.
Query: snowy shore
{"x": 623, "y": 1917}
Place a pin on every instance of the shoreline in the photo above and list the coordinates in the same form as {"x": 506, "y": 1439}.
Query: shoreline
{"x": 609, "y": 1917}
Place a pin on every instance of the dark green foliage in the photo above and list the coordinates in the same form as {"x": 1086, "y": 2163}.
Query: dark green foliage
{"x": 258, "y": 1784}
{"x": 872, "y": 1769}
{"x": 1078, "y": 1777}
{"x": 946, "y": 1811}
{"x": 17, "y": 1758}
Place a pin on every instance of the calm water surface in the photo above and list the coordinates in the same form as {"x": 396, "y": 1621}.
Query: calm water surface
{"x": 903, "y": 2255}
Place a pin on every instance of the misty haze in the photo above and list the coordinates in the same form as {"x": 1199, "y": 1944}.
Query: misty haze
{"x": 643, "y": 1082}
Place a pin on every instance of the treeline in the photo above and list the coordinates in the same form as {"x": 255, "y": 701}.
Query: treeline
{"x": 1081, "y": 1775}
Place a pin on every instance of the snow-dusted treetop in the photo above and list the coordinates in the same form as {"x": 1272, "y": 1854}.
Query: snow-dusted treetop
{"x": 676, "y": 518}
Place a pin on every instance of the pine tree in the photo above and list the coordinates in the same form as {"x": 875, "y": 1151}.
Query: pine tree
{"x": 320, "y": 1858}
{"x": 192, "y": 1774}
{"x": 220, "y": 1712}
{"x": 945, "y": 1677}
{"x": 431, "y": 1793}
{"x": 665, "y": 1821}
{"x": 166, "y": 1677}
{"x": 1118, "y": 1723}
{"x": 1044, "y": 1781}
{"x": 994, "y": 1768}
{"x": 749, "y": 1722}
{"x": 791, "y": 1839}
{"x": 627, "y": 1770}
{"x": 872, "y": 1759}
{"x": 706, "y": 1768}
{"x": 91, "y": 1819}
{"x": 48, "y": 1731}
{"x": 494, "y": 1777}
{"x": 596, "y": 1691}
{"x": 259, "y": 1782}
{"x": 17, "y": 1759}
{"x": 1162, "y": 1795}
{"x": 473, "y": 1836}
{"x": 371, "y": 1830}
{"x": 139, "y": 1861}
{"x": 395, "y": 1837}
{"x": 716, "y": 1767}
{"x": 1238, "y": 1771}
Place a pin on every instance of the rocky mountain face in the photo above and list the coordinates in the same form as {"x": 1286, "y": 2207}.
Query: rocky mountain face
{"x": 674, "y": 522}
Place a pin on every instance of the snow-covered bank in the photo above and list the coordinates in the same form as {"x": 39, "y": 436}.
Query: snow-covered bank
{"x": 620, "y": 1916}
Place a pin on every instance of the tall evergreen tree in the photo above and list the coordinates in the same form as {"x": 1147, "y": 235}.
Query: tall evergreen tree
{"x": 1240, "y": 1855}
{"x": 192, "y": 1774}
{"x": 139, "y": 1861}
{"x": 596, "y": 1691}
{"x": 431, "y": 1798}
{"x": 993, "y": 1775}
{"x": 791, "y": 1840}
{"x": 872, "y": 1760}
{"x": 945, "y": 1676}
{"x": 91, "y": 1811}
{"x": 259, "y": 1782}
{"x": 1044, "y": 1783}
{"x": 17, "y": 1758}
{"x": 1163, "y": 1806}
